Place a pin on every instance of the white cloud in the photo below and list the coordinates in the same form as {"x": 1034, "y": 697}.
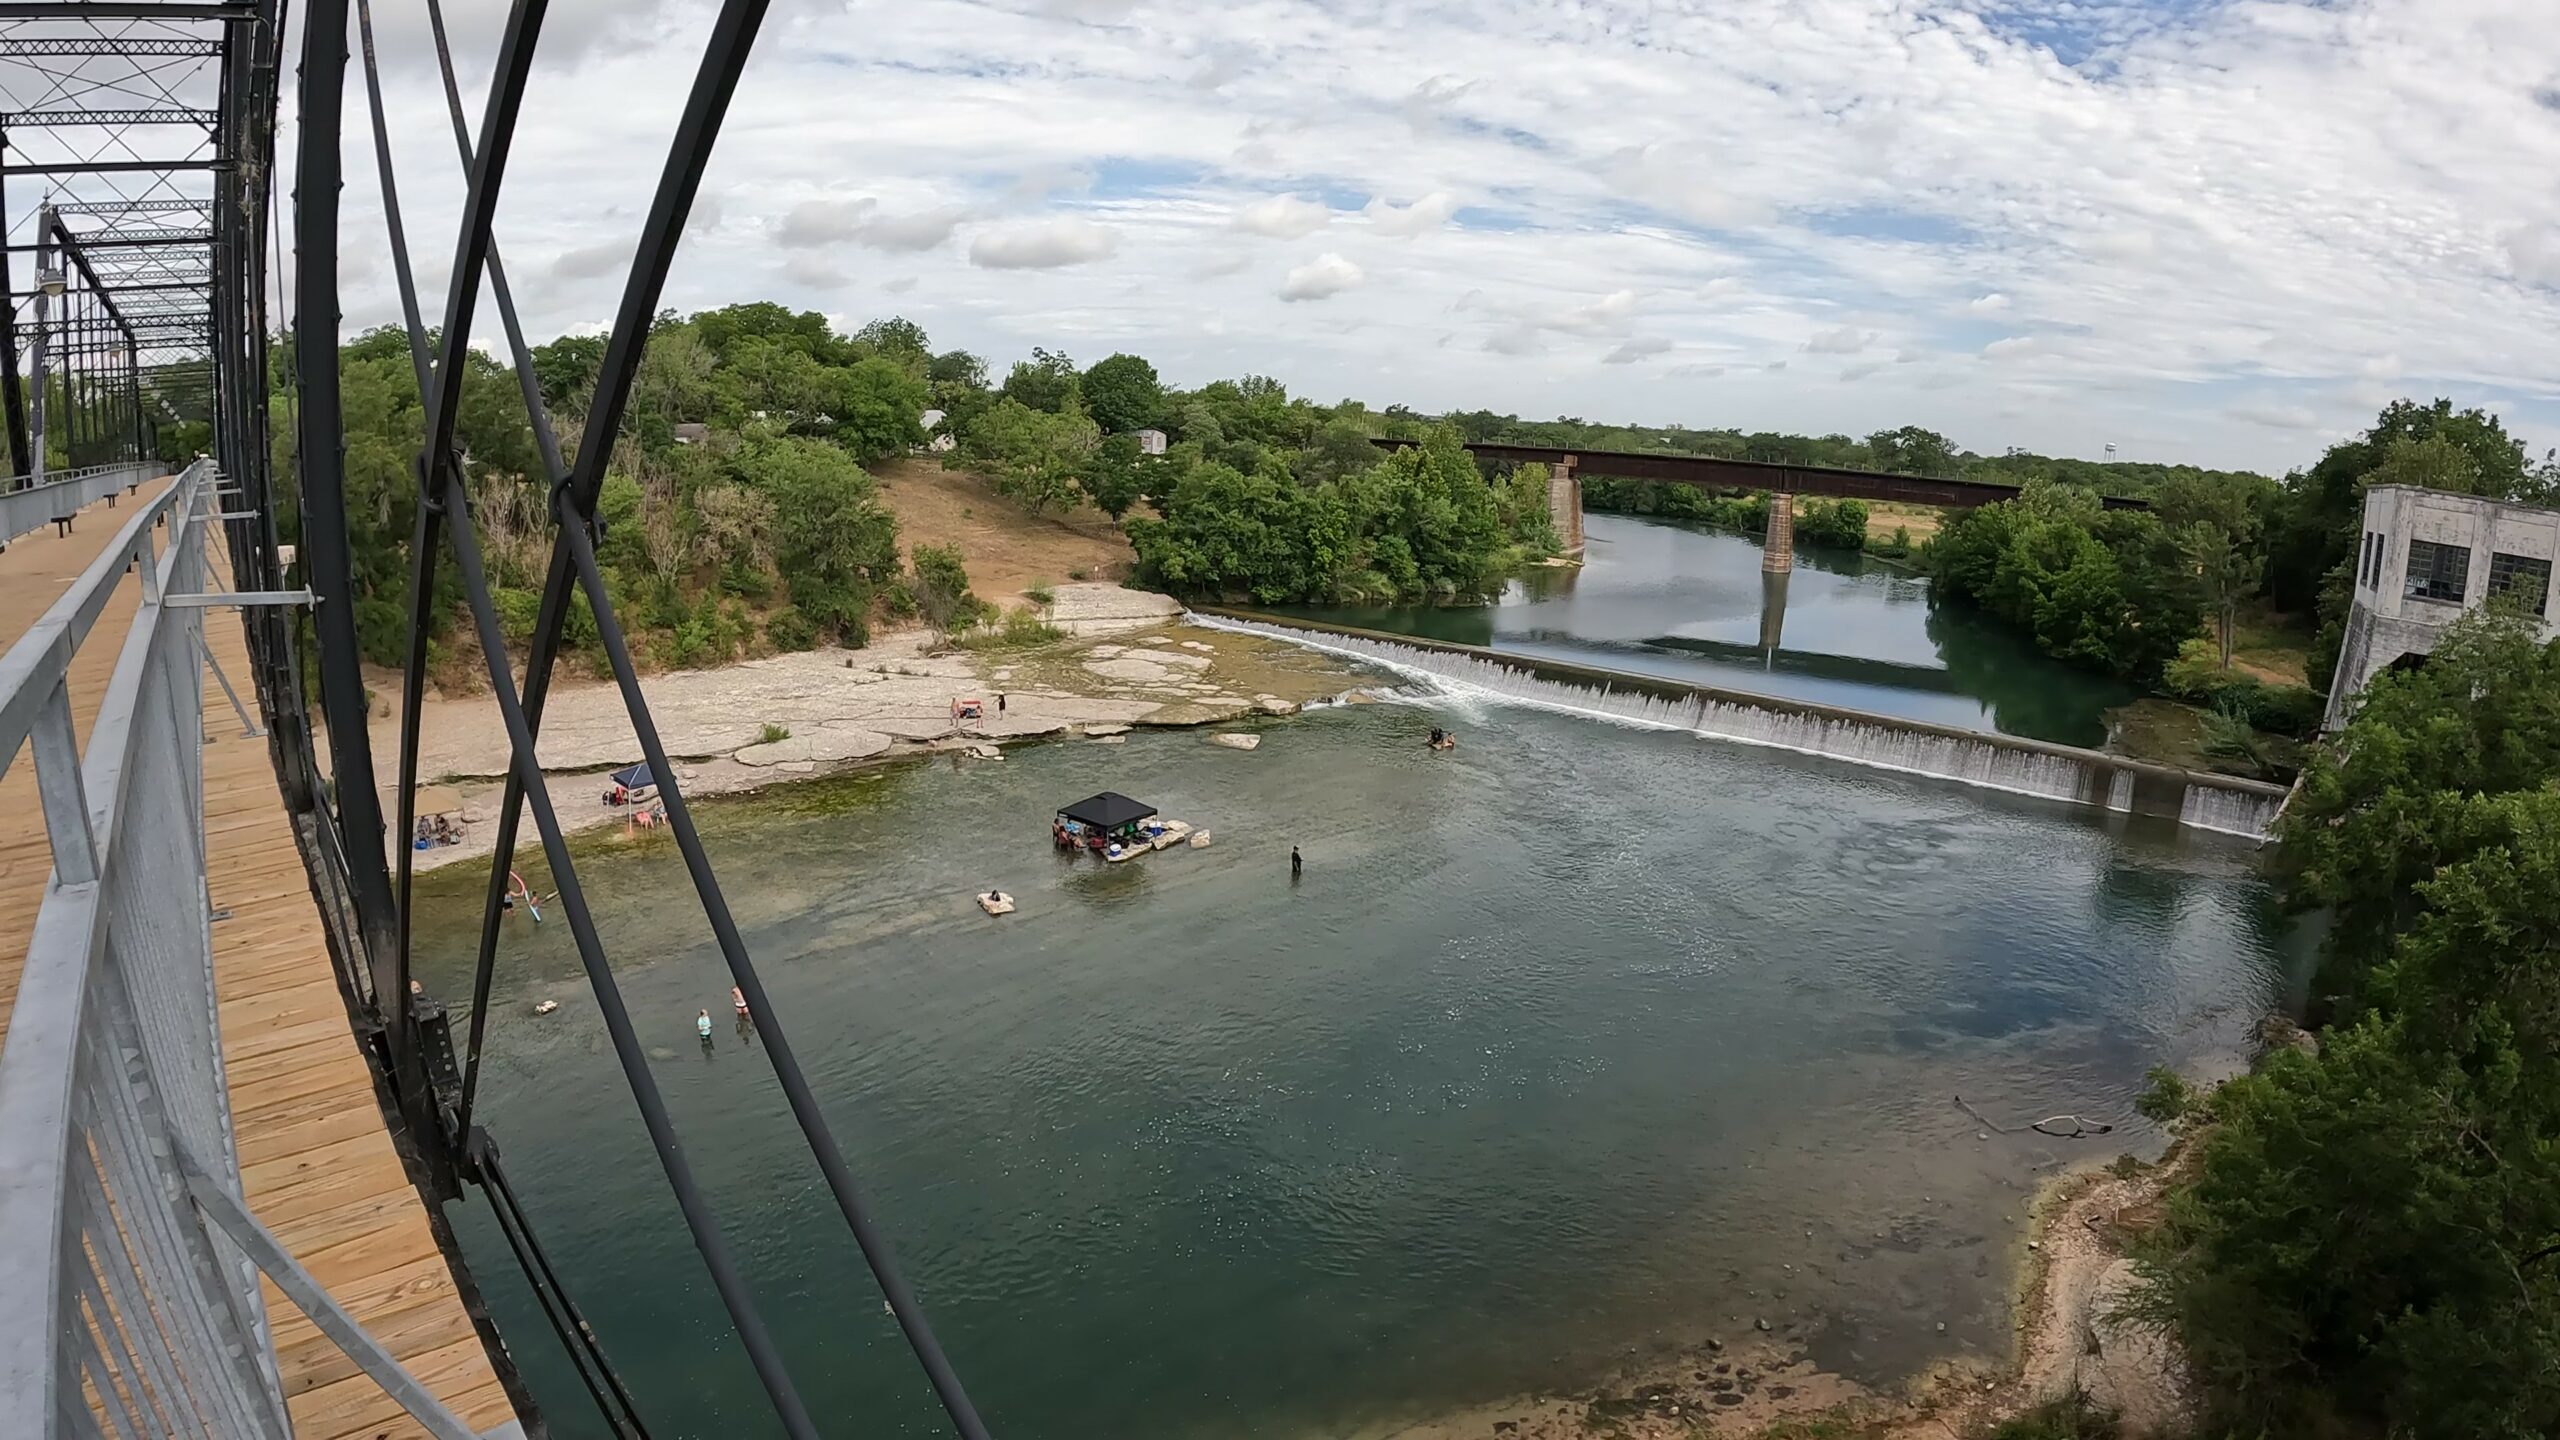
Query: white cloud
{"x": 1327, "y": 274}
{"x": 1284, "y": 217}
{"x": 1428, "y": 213}
{"x": 2194, "y": 208}
{"x": 899, "y": 286}
{"x": 919, "y": 230}
{"x": 817, "y": 223}
{"x": 1222, "y": 266}
{"x": 1640, "y": 347}
{"x": 589, "y": 261}
{"x": 1514, "y": 340}
{"x": 1846, "y": 340}
{"x": 1043, "y": 245}
{"x": 2009, "y": 348}
{"x": 2535, "y": 254}
{"x": 2276, "y": 417}
{"x": 1909, "y": 355}
{"x": 1860, "y": 372}
{"x": 815, "y": 272}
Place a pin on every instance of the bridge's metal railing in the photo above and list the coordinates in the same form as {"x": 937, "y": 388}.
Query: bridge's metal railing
{"x": 25, "y": 507}
{"x": 128, "y": 1262}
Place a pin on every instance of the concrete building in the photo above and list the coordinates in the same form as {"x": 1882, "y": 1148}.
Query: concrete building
{"x": 1150, "y": 441}
{"x": 2426, "y": 557}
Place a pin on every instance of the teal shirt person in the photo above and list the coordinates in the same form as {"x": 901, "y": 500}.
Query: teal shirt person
{"x": 702, "y": 1025}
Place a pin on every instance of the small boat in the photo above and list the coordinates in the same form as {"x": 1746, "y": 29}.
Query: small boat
{"x": 996, "y": 902}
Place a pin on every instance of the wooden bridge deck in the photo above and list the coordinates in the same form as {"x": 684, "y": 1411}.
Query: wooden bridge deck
{"x": 316, "y": 1160}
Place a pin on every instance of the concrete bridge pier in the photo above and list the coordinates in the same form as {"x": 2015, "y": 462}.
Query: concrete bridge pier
{"x": 1564, "y": 507}
{"x": 1773, "y": 612}
{"x": 1778, "y": 548}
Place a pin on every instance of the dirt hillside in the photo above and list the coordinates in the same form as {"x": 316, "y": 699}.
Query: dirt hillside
{"x": 1008, "y": 549}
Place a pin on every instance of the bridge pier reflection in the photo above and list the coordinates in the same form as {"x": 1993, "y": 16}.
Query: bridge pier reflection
{"x": 1773, "y": 612}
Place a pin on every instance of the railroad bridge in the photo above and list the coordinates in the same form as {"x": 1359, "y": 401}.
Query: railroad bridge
{"x": 1783, "y": 480}
{"x": 230, "y": 1120}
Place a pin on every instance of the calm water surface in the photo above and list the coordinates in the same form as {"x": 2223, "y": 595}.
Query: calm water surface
{"x": 1690, "y": 603}
{"x": 1578, "y": 1046}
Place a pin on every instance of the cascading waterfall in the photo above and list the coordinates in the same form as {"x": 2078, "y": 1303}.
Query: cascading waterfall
{"x": 2233, "y": 812}
{"x": 1989, "y": 761}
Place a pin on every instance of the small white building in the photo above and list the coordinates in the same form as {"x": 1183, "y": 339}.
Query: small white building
{"x": 2426, "y": 557}
{"x": 1150, "y": 441}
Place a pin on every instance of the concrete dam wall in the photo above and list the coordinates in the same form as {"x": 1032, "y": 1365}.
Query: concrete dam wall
{"x": 1994, "y": 762}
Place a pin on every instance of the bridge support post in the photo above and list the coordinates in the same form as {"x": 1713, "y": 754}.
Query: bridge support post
{"x": 1778, "y": 548}
{"x": 1564, "y": 507}
{"x": 1773, "y": 612}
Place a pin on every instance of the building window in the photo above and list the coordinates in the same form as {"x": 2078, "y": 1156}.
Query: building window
{"x": 2521, "y": 576}
{"x": 2438, "y": 572}
{"x": 2372, "y": 558}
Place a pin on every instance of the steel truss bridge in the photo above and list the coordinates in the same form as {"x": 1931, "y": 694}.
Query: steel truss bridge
{"x": 205, "y": 935}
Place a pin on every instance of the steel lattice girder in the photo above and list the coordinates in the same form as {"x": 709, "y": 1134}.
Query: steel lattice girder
{"x": 160, "y": 115}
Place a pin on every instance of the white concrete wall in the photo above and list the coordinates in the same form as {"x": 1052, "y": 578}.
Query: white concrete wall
{"x": 2387, "y": 622}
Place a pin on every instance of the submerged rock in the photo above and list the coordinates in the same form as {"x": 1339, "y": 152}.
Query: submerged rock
{"x": 1235, "y": 741}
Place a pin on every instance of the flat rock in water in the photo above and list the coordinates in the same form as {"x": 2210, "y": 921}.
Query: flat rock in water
{"x": 798, "y": 767}
{"x": 1188, "y": 662}
{"x": 1110, "y": 739}
{"x": 846, "y": 742}
{"x": 1110, "y": 727}
{"x": 1130, "y": 668}
{"x": 1235, "y": 741}
{"x": 1191, "y": 712}
{"x": 983, "y": 751}
{"x": 1155, "y": 640}
{"x": 1274, "y": 705}
{"x": 1197, "y": 645}
{"x": 787, "y": 750}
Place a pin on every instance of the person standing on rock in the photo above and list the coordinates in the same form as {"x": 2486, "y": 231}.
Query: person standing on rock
{"x": 999, "y": 702}
{"x": 1297, "y": 862}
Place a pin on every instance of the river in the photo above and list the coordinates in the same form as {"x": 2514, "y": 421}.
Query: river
{"x": 1689, "y": 602}
{"x": 1577, "y": 1047}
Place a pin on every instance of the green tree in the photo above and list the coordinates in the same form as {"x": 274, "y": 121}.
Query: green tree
{"x": 2383, "y": 809}
{"x": 942, "y": 591}
{"x": 567, "y": 368}
{"x": 1047, "y": 381}
{"x": 2228, "y": 573}
{"x": 876, "y": 405}
{"x": 1123, "y": 394}
{"x": 899, "y": 341}
{"x": 833, "y": 541}
{"x": 1034, "y": 456}
{"x": 1114, "y": 475}
{"x": 1911, "y": 450}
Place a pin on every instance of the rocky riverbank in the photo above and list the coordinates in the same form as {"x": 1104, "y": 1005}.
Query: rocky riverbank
{"x": 1127, "y": 661}
{"x": 2073, "y": 1275}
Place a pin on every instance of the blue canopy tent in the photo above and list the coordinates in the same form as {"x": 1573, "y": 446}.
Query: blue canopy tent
{"x": 635, "y": 777}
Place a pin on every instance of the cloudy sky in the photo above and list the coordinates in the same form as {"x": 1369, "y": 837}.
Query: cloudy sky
{"x": 2221, "y": 231}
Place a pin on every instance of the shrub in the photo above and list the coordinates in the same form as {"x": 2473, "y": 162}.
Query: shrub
{"x": 517, "y": 612}
{"x": 788, "y": 629}
{"x": 1832, "y": 524}
{"x": 1039, "y": 593}
{"x": 941, "y": 588}
{"x": 1021, "y": 626}
{"x": 772, "y": 733}
{"x": 898, "y": 600}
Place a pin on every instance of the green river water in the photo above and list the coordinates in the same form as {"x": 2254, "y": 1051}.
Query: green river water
{"x": 1574, "y": 1048}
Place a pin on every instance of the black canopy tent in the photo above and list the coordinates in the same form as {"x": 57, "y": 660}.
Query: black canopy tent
{"x": 1107, "y": 812}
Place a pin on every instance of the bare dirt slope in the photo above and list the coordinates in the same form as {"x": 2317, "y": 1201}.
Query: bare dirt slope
{"x": 1008, "y": 549}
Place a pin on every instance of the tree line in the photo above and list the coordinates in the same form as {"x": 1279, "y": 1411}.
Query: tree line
{"x": 2366, "y": 1239}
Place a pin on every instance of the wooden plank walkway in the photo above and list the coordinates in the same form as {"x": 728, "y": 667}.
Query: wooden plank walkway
{"x": 316, "y": 1162}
